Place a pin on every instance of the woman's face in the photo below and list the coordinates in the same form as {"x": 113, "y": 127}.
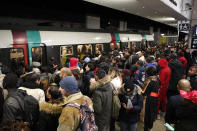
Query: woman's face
{"x": 87, "y": 68}
{"x": 48, "y": 94}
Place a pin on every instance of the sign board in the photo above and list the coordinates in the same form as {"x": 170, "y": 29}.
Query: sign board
{"x": 184, "y": 27}
{"x": 194, "y": 43}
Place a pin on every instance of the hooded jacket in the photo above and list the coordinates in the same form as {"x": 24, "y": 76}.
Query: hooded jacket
{"x": 164, "y": 74}
{"x": 183, "y": 61}
{"x": 102, "y": 102}
{"x": 49, "y": 115}
{"x": 73, "y": 63}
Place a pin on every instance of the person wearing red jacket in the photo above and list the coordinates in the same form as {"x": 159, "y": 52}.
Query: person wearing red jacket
{"x": 164, "y": 78}
{"x": 182, "y": 59}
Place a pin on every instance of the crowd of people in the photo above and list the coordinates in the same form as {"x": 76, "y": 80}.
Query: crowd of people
{"x": 149, "y": 83}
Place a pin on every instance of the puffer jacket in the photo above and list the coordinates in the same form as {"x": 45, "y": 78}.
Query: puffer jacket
{"x": 49, "y": 115}
{"x": 164, "y": 74}
{"x": 102, "y": 102}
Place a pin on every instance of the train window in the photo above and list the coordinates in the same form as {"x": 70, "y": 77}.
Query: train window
{"x": 65, "y": 51}
{"x": 99, "y": 47}
{"x": 36, "y": 54}
{"x": 112, "y": 46}
{"x": 83, "y": 50}
{"x": 17, "y": 56}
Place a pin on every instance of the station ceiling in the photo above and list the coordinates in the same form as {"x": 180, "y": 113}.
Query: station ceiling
{"x": 150, "y": 9}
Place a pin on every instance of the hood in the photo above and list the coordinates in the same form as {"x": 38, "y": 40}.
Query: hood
{"x": 100, "y": 83}
{"x": 163, "y": 63}
{"x": 73, "y": 62}
{"x": 51, "y": 108}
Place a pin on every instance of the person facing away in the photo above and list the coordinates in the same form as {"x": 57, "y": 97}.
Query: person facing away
{"x": 150, "y": 90}
{"x": 51, "y": 110}
{"x": 32, "y": 86}
{"x": 177, "y": 71}
{"x": 174, "y": 102}
{"x": 131, "y": 105}
{"x": 164, "y": 78}
{"x": 19, "y": 105}
{"x": 102, "y": 100}
{"x": 187, "y": 112}
{"x": 69, "y": 119}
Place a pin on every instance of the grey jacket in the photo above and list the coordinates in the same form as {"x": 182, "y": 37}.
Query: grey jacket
{"x": 102, "y": 103}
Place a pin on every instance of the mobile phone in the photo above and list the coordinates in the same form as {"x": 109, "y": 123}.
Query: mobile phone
{"x": 169, "y": 126}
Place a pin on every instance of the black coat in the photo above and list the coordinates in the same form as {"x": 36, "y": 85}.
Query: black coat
{"x": 151, "y": 106}
{"x": 177, "y": 71}
{"x": 49, "y": 115}
{"x": 171, "y": 108}
{"x": 187, "y": 116}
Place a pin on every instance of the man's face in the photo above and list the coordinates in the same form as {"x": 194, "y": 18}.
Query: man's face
{"x": 62, "y": 74}
{"x": 64, "y": 92}
{"x": 192, "y": 71}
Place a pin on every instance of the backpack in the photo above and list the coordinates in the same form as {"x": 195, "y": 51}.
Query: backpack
{"x": 30, "y": 108}
{"x": 116, "y": 105}
{"x": 87, "y": 122}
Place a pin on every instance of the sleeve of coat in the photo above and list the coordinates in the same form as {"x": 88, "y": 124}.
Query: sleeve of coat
{"x": 9, "y": 112}
{"x": 69, "y": 119}
{"x": 97, "y": 103}
{"x": 139, "y": 106}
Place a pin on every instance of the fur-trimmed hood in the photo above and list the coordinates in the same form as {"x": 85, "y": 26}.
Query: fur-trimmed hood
{"x": 51, "y": 108}
{"x": 100, "y": 83}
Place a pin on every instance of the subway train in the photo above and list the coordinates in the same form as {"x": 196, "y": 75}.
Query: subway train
{"x": 28, "y": 46}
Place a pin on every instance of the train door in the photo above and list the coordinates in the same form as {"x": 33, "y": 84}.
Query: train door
{"x": 65, "y": 53}
{"x": 17, "y": 58}
{"x": 37, "y": 54}
{"x": 84, "y": 50}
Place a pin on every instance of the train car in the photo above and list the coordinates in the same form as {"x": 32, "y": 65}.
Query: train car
{"x": 28, "y": 46}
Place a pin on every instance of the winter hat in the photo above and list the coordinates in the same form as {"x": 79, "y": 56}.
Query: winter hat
{"x": 87, "y": 59}
{"x": 69, "y": 84}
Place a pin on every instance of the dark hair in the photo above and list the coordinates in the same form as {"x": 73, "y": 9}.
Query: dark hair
{"x": 100, "y": 73}
{"x": 76, "y": 74}
{"x": 140, "y": 63}
{"x": 54, "y": 91}
{"x": 10, "y": 81}
{"x": 91, "y": 66}
{"x": 32, "y": 77}
{"x": 104, "y": 66}
{"x": 151, "y": 71}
